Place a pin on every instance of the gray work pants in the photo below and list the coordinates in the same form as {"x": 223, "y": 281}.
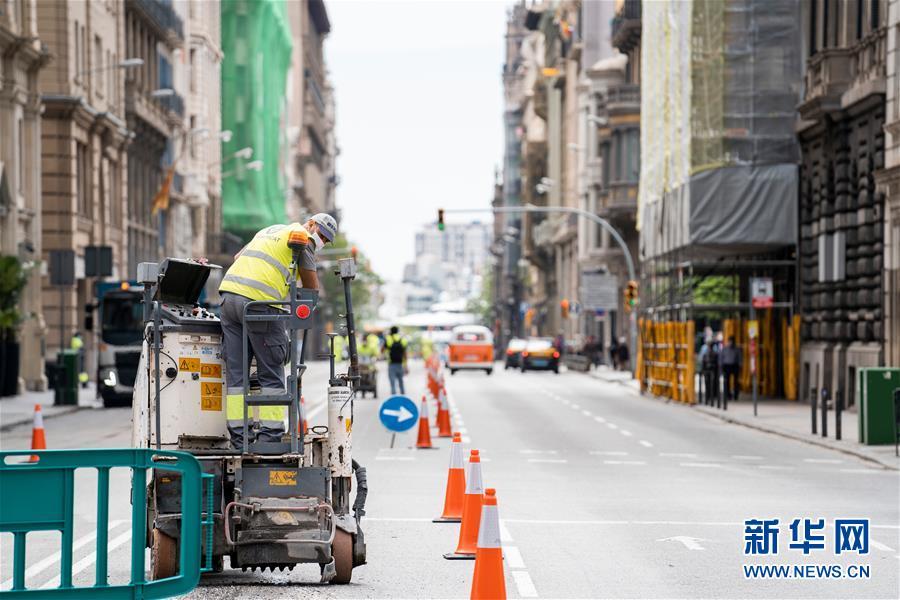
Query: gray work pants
{"x": 268, "y": 342}
{"x": 395, "y": 376}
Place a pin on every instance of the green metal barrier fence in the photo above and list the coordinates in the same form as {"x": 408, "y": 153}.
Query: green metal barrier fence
{"x": 39, "y": 496}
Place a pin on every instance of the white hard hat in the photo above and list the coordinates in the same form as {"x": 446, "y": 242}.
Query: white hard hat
{"x": 327, "y": 225}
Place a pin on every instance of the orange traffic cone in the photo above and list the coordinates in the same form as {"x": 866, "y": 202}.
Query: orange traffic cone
{"x": 488, "y": 582}
{"x": 424, "y": 440}
{"x": 471, "y": 515}
{"x": 38, "y": 438}
{"x": 443, "y": 415}
{"x": 456, "y": 485}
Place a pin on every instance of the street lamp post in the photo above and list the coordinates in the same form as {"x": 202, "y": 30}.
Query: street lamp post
{"x": 629, "y": 261}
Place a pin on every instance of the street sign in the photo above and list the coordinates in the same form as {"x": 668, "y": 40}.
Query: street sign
{"x": 753, "y": 334}
{"x": 599, "y": 291}
{"x": 398, "y": 413}
{"x": 761, "y": 292}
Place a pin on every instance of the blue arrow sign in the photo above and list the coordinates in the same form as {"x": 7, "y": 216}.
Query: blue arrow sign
{"x": 398, "y": 413}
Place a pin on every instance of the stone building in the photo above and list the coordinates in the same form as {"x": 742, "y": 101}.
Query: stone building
{"x": 154, "y": 109}
{"x": 22, "y": 55}
{"x": 842, "y": 210}
{"x": 312, "y": 148}
{"x": 610, "y": 127}
{"x": 84, "y": 164}
{"x": 888, "y": 183}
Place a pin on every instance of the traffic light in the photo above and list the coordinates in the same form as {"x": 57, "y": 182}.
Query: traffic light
{"x": 440, "y": 219}
{"x": 631, "y": 296}
{"x": 564, "y": 308}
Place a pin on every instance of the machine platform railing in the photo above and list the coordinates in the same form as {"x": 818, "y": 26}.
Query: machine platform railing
{"x": 52, "y": 475}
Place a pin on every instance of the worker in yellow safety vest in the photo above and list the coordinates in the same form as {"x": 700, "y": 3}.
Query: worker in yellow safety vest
{"x": 77, "y": 344}
{"x": 260, "y": 272}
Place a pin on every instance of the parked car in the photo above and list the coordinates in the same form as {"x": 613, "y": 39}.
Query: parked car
{"x": 540, "y": 353}
{"x": 471, "y": 347}
{"x": 514, "y": 353}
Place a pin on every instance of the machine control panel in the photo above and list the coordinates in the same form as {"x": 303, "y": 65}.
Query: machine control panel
{"x": 187, "y": 313}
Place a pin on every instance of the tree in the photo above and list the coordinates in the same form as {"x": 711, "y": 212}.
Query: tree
{"x": 362, "y": 288}
{"x": 482, "y": 305}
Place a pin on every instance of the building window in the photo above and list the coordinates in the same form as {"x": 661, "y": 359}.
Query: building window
{"x": 98, "y": 64}
{"x": 193, "y": 67}
{"x": 82, "y": 179}
{"x": 21, "y": 172}
{"x": 77, "y": 52}
{"x": 832, "y": 256}
{"x": 115, "y": 199}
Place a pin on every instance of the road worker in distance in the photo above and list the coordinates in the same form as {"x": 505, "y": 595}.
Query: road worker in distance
{"x": 260, "y": 272}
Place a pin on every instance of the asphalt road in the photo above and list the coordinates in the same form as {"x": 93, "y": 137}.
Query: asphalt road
{"x": 602, "y": 493}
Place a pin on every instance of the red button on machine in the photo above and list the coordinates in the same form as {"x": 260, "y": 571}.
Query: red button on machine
{"x": 303, "y": 311}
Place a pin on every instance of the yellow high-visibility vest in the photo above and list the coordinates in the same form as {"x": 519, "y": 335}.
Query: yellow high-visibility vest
{"x": 263, "y": 266}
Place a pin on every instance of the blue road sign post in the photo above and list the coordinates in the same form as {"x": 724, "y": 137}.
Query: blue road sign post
{"x": 398, "y": 414}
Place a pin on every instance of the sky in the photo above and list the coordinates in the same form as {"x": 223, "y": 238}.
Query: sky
{"x": 419, "y": 116}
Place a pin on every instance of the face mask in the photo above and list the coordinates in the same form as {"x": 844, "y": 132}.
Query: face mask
{"x": 317, "y": 242}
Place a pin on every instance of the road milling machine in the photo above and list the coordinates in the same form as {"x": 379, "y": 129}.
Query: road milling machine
{"x": 275, "y": 504}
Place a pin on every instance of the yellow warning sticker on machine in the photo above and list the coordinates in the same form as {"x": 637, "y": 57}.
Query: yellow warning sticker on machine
{"x": 282, "y": 477}
{"x": 211, "y": 403}
{"x": 210, "y": 388}
{"x": 211, "y": 370}
{"x": 189, "y": 363}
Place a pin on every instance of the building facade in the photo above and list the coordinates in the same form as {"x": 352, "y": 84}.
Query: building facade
{"x": 22, "y": 56}
{"x": 84, "y": 146}
{"x": 842, "y": 209}
{"x": 888, "y": 182}
{"x": 311, "y": 143}
{"x": 154, "y": 111}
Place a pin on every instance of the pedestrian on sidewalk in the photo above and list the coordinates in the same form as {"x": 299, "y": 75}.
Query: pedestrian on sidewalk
{"x": 730, "y": 363}
{"x": 395, "y": 346}
{"x": 709, "y": 362}
{"x": 622, "y": 354}
{"x": 613, "y": 354}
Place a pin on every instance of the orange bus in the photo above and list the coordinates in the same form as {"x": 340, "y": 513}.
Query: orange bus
{"x": 471, "y": 347}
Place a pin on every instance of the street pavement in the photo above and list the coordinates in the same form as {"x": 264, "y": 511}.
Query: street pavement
{"x": 602, "y": 494}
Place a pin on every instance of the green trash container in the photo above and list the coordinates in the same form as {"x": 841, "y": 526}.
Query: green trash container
{"x": 875, "y": 390}
{"x": 66, "y": 390}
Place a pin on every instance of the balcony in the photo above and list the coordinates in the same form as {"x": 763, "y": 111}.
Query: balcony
{"x": 868, "y": 68}
{"x": 827, "y": 77}
{"x": 622, "y": 198}
{"x": 626, "y": 26}
{"x": 173, "y": 103}
{"x": 624, "y": 99}
{"x": 160, "y": 15}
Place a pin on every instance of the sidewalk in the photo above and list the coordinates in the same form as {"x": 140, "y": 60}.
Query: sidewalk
{"x": 18, "y": 410}
{"x": 782, "y": 417}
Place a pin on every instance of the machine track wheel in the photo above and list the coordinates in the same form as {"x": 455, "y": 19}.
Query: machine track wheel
{"x": 342, "y": 551}
{"x": 163, "y": 555}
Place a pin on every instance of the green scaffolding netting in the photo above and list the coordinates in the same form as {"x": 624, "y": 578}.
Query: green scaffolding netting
{"x": 256, "y": 41}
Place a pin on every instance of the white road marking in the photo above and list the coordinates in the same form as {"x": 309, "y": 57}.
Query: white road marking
{"x": 645, "y": 444}
{"x": 548, "y": 460}
{"x": 406, "y": 458}
{"x": 530, "y": 451}
{"x": 679, "y": 454}
{"x": 745, "y": 457}
{"x": 608, "y": 453}
{"x": 624, "y": 462}
{"x": 505, "y": 536}
{"x": 88, "y": 560}
{"x": 699, "y": 464}
{"x": 316, "y": 410}
{"x": 776, "y": 467}
{"x": 865, "y": 471}
{"x": 612, "y": 425}
{"x": 600, "y": 419}
{"x": 524, "y": 584}
{"x": 575, "y": 407}
{"x": 880, "y": 546}
{"x": 824, "y": 461}
{"x": 586, "y": 413}
{"x": 53, "y": 558}
{"x": 513, "y": 557}
{"x": 625, "y": 432}
{"x": 691, "y": 543}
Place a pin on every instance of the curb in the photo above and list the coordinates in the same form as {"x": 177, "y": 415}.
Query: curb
{"x": 768, "y": 429}
{"x": 800, "y": 438}
{"x": 47, "y": 415}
